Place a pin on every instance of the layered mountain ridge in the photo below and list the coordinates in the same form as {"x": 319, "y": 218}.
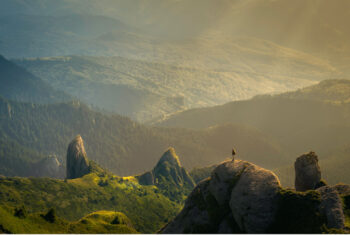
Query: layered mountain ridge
{"x": 315, "y": 117}
{"x": 157, "y": 89}
{"x": 18, "y": 84}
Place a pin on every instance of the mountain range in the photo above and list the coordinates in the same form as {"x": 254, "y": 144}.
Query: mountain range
{"x": 19, "y": 84}
{"x": 146, "y": 91}
{"x": 96, "y": 96}
{"x": 313, "y": 118}
{"x": 162, "y": 71}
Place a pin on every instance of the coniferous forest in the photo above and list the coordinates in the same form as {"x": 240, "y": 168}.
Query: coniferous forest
{"x": 174, "y": 116}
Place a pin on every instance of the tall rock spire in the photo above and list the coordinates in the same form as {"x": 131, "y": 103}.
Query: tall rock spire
{"x": 307, "y": 172}
{"x": 77, "y": 161}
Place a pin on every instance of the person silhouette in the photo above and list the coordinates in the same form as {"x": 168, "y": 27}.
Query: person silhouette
{"x": 233, "y": 154}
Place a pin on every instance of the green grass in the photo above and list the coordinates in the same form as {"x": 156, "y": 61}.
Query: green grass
{"x": 103, "y": 222}
{"x": 32, "y": 223}
{"x": 72, "y": 199}
{"x": 97, "y": 222}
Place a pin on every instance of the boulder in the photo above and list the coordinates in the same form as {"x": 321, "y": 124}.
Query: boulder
{"x": 241, "y": 197}
{"x": 194, "y": 218}
{"x": 225, "y": 227}
{"x": 332, "y": 207}
{"x": 224, "y": 177}
{"x": 77, "y": 161}
{"x": 254, "y": 199}
{"x": 307, "y": 172}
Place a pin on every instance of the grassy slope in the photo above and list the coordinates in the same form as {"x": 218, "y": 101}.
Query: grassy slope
{"x": 97, "y": 222}
{"x": 102, "y": 222}
{"x": 147, "y": 209}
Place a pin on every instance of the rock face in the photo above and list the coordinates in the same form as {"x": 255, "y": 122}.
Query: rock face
{"x": 222, "y": 179}
{"x": 77, "y": 161}
{"x": 332, "y": 207}
{"x": 307, "y": 172}
{"x": 169, "y": 175}
{"x": 169, "y": 167}
{"x": 194, "y": 218}
{"x": 239, "y": 197}
{"x": 253, "y": 199}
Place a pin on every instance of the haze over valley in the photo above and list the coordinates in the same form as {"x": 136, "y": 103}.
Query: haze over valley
{"x": 174, "y": 116}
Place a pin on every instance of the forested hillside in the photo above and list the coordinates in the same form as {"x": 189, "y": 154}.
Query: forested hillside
{"x": 120, "y": 144}
{"x": 313, "y": 118}
{"x": 147, "y": 90}
{"x": 298, "y": 123}
{"x": 18, "y": 84}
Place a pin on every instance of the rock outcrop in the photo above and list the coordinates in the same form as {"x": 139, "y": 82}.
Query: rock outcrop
{"x": 223, "y": 177}
{"x": 241, "y": 197}
{"x": 169, "y": 176}
{"x": 77, "y": 161}
{"x": 195, "y": 217}
{"x": 253, "y": 199}
{"x": 307, "y": 172}
{"x": 332, "y": 207}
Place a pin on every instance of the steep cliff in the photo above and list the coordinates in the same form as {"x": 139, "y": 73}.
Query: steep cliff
{"x": 241, "y": 197}
{"x": 77, "y": 161}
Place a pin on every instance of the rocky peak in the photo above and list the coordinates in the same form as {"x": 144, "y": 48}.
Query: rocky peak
{"x": 169, "y": 176}
{"x": 77, "y": 161}
{"x": 170, "y": 157}
{"x": 307, "y": 172}
{"x": 169, "y": 167}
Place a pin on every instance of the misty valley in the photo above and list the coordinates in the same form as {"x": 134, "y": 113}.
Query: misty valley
{"x": 174, "y": 116}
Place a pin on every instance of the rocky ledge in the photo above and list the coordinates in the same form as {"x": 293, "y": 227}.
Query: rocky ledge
{"x": 241, "y": 197}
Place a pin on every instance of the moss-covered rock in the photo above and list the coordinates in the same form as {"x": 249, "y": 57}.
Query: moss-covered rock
{"x": 298, "y": 212}
{"x": 258, "y": 204}
{"x": 170, "y": 177}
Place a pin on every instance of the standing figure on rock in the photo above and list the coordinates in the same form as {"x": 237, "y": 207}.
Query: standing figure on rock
{"x": 233, "y": 154}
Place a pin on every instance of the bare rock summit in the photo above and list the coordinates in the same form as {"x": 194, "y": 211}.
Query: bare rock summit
{"x": 307, "y": 172}
{"x": 241, "y": 197}
{"x": 168, "y": 175}
{"x": 77, "y": 161}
